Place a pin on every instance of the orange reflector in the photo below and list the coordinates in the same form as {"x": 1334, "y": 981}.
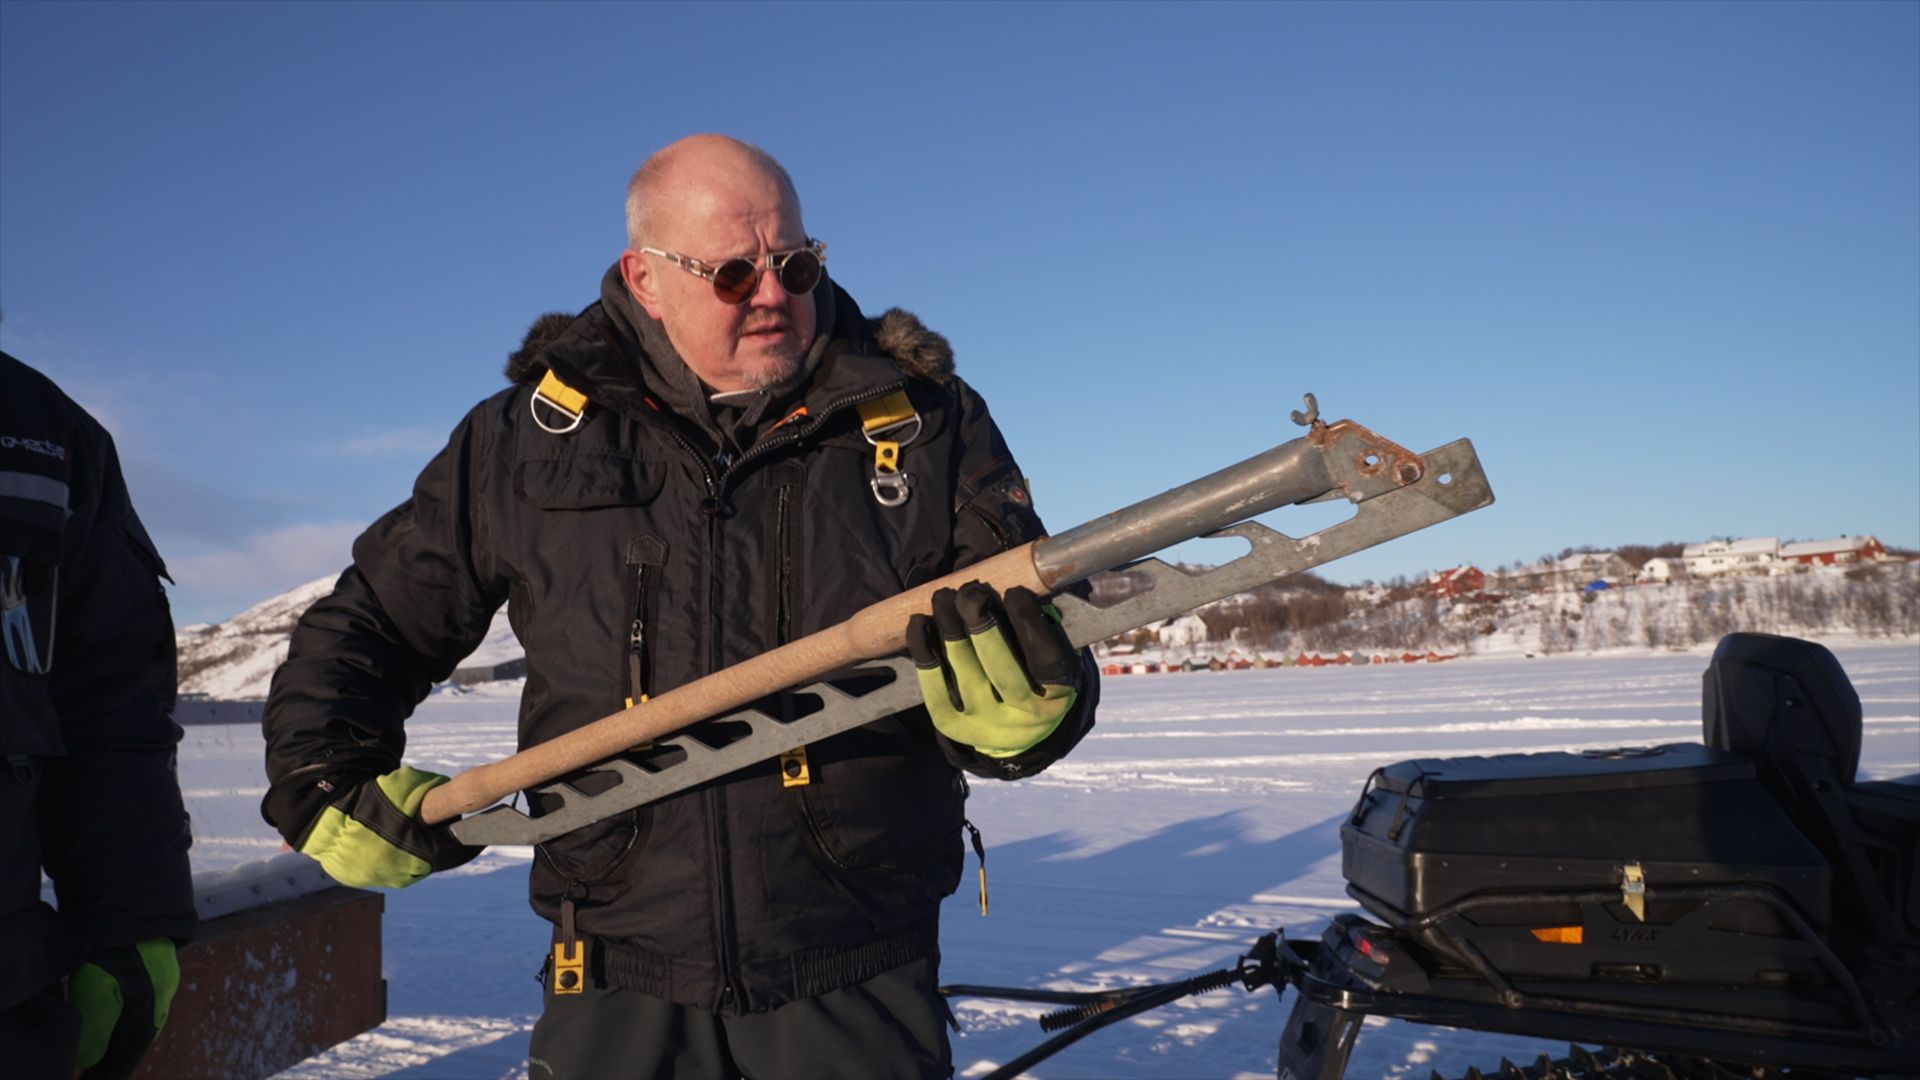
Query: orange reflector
{"x": 1560, "y": 935}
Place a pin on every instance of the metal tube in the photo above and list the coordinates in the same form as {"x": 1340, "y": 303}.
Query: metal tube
{"x": 1292, "y": 472}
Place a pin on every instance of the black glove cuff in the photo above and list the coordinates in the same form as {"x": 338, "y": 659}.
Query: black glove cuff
{"x": 294, "y": 803}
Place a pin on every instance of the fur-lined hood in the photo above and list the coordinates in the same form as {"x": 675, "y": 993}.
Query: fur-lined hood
{"x": 897, "y": 333}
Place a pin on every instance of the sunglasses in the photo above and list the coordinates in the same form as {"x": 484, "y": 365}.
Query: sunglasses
{"x": 736, "y": 279}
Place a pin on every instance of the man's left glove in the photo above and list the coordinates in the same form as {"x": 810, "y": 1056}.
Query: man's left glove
{"x": 997, "y": 677}
{"x": 372, "y": 836}
{"x": 122, "y": 995}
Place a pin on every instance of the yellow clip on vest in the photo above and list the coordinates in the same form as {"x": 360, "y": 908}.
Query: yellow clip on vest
{"x": 889, "y": 423}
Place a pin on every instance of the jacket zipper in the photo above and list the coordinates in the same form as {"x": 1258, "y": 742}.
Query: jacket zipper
{"x": 716, "y": 486}
{"x": 716, "y": 795}
{"x": 637, "y": 639}
{"x": 783, "y": 604}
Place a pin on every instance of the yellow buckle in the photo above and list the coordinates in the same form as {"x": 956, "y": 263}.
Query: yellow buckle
{"x": 562, "y": 399}
{"x": 1633, "y": 890}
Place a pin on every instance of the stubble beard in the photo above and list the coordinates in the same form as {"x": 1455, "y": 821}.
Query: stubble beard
{"x": 775, "y": 371}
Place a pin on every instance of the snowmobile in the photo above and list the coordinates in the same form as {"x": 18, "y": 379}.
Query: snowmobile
{"x": 1739, "y": 907}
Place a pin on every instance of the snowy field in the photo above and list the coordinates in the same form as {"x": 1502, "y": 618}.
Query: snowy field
{"x": 1203, "y": 811}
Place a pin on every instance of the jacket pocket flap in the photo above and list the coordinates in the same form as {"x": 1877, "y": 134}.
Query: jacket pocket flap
{"x": 587, "y": 480}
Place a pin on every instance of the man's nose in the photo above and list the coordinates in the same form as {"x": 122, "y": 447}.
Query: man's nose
{"x": 768, "y": 292}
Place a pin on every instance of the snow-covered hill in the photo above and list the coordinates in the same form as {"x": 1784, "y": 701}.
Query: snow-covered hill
{"x": 234, "y": 660}
{"x": 1873, "y": 602}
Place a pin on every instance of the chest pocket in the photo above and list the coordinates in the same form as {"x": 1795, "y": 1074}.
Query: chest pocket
{"x": 588, "y": 480}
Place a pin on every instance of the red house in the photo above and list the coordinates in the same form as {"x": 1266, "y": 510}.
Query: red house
{"x": 1459, "y": 581}
{"x": 1847, "y": 549}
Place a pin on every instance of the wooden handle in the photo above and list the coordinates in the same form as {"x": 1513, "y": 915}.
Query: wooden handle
{"x": 875, "y": 631}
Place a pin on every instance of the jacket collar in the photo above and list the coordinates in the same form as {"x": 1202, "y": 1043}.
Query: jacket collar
{"x": 620, "y": 358}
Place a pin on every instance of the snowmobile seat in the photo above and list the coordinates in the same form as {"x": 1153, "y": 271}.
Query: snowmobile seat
{"x": 1786, "y": 705}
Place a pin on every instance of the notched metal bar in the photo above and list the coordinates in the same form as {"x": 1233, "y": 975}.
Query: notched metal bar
{"x": 1449, "y": 482}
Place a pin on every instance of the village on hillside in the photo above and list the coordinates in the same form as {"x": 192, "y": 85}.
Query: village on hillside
{"x": 1464, "y": 609}
{"x": 1714, "y": 558}
{"x": 1308, "y": 621}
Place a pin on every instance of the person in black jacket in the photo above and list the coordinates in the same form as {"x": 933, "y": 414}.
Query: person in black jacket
{"x": 682, "y": 477}
{"x": 89, "y": 793}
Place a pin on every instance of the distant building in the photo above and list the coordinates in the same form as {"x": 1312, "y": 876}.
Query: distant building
{"x": 1846, "y": 549}
{"x": 1717, "y": 558}
{"x": 1574, "y": 572}
{"x": 1459, "y": 581}
{"x": 1183, "y": 632}
{"x": 1661, "y": 571}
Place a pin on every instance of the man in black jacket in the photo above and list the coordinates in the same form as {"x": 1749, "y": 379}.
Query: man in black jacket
{"x": 720, "y": 456}
{"x": 88, "y": 794}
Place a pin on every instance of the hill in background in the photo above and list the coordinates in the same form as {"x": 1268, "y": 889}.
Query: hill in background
{"x": 235, "y": 659}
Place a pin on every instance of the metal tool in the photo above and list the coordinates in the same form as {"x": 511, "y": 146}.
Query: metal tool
{"x": 1396, "y": 492}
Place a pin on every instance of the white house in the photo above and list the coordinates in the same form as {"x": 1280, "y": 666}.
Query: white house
{"x": 1184, "y": 632}
{"x": 1720, "y": 557}
{"x": 1661, "y": 571}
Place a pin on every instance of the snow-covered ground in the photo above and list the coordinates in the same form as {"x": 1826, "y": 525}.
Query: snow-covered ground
{"x": 1203, "y": 811}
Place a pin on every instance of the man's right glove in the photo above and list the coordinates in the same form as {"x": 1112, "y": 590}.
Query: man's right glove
{"x": 998, "y": 678}
{"x": 372, "y": 836}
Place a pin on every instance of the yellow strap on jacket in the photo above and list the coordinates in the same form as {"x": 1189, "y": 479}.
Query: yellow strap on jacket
{"x": 562, "y": 399}
{"x": 889, "y": 423}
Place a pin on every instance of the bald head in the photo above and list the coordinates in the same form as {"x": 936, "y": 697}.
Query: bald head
{"x": 693, "y": 207}
{"x": 696, "y": 167}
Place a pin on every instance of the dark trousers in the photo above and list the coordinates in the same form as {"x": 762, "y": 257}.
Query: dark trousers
{"x": 892, "y": 1025}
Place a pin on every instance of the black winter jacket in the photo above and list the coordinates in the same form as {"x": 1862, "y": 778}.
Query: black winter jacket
{"x": 86, "y": 691}
{"x": 664, "y": 539}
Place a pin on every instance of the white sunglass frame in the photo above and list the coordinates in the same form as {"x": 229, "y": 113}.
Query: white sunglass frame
{"x": 772, "y": 261}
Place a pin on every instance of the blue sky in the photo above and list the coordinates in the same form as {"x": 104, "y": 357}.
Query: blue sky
{"x": 1661, "y": 262}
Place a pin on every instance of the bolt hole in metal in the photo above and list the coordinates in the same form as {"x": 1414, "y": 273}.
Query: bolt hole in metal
{"x": 1446, "y": 478}
{"x": 1371, "y": 461}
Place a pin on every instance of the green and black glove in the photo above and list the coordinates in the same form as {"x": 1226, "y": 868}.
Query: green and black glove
{"x": 122, "y": 995}
{"x": 999, "y": 677}
{"x": 370, "y": 834}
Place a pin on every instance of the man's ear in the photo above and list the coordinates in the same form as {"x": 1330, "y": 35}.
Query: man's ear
{"x": 641, "y": 283}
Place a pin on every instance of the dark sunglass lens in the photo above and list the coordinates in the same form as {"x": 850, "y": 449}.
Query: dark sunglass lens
{"x": 734, "y": 281}
{"x": 801, "y": 273}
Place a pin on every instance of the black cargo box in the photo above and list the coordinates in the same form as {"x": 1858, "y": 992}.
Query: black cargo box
{"x": 1480, "y": 859}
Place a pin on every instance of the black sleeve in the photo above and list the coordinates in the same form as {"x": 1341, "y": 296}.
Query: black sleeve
{"x": 994, "y": 512}
{"x": 116, "y": 830}
{"x": 415, "y": 602}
